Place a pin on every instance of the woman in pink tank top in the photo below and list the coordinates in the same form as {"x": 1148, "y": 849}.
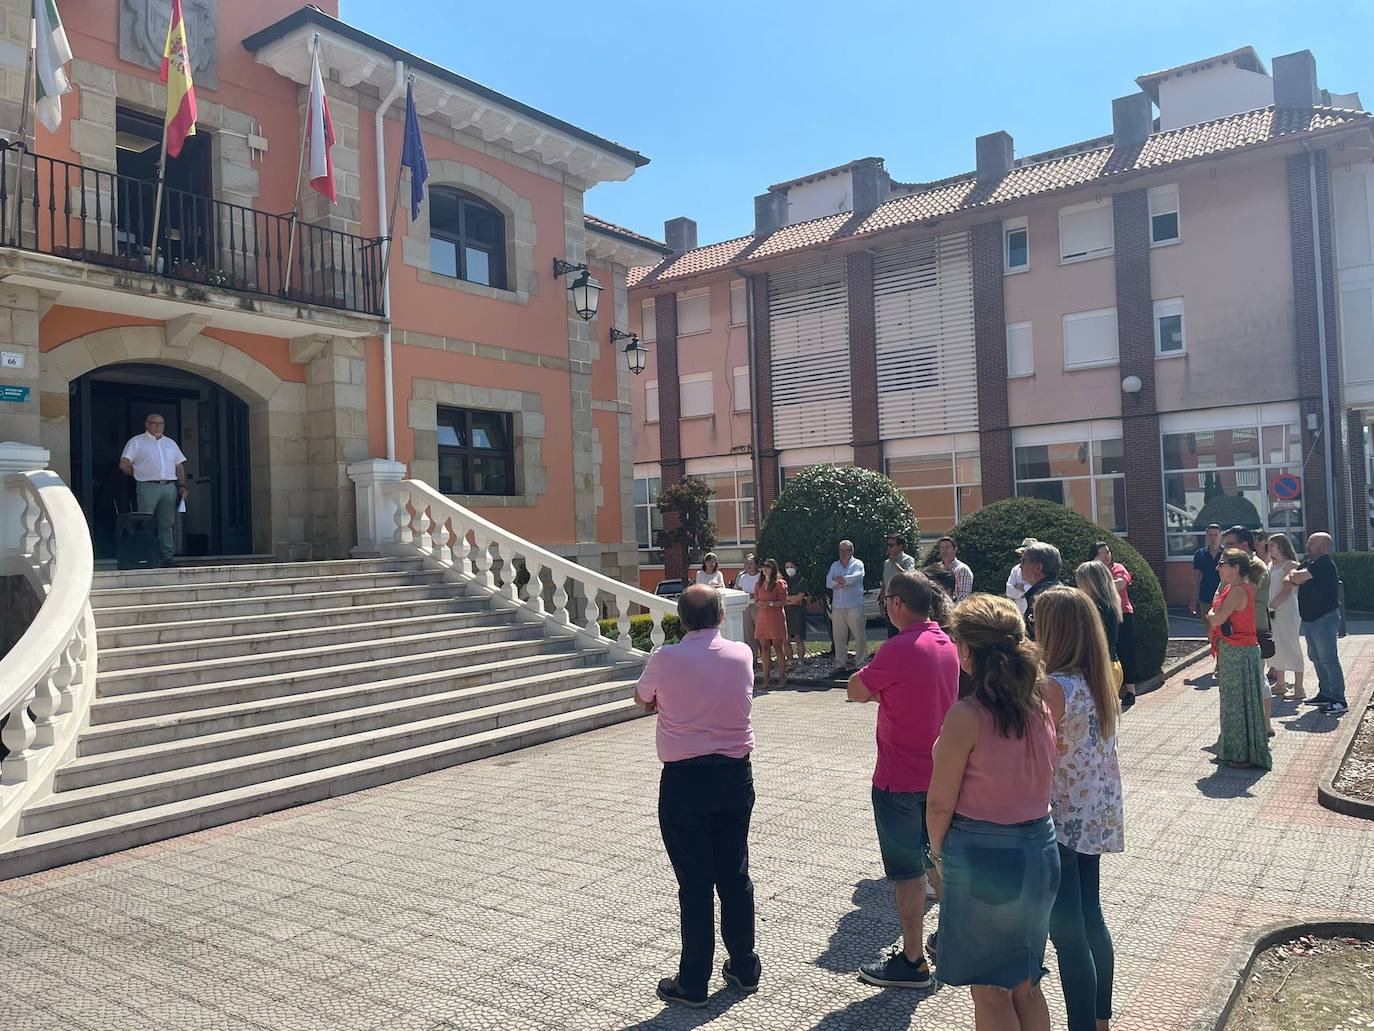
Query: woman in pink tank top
{"x": 991, "y": 836}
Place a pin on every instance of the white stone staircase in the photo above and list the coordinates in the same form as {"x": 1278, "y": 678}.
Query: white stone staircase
{"x": 229, "y": 691}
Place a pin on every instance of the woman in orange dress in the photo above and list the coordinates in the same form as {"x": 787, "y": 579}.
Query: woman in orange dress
{"x": 770, "y": 623}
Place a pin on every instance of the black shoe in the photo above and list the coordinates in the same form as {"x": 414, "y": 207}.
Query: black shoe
{"x": 670, "y": 991}
{"x": 931, "y": 950}
{"x": 749, "y": 984}
{"x": 1316, "y": 699}
{"x": 896, "y": 971}
{"x": 1127, "y": 700}
{"x": 169, "y": 563}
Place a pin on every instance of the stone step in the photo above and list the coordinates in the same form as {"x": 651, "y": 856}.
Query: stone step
{"x": 144, "y": 634}
{"x": 183, "y": 574}
{"x": 280, "y": 688}
{"x": 259, "y": 644}
{"x": 257, "y": 605}
{"x": 178, "y": 751}
{"x": 170, "y": 786}
{"x": 32, "y": 852}
{"x": 122, "y": 597}
{"x": 382, "y": 652}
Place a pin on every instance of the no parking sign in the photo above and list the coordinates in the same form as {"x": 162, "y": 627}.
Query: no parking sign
{"x": 1286, "y": 487}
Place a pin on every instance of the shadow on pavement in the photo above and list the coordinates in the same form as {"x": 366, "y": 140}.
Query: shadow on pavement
{"x": 1313, "y": 721}
{"x": 1230, "y": 782}
{"x": 864, "y": 931}
{"x": 891, "y": 1007}
{"x": 680, "y": 1018}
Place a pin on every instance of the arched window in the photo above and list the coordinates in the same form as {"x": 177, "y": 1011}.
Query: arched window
{"x": 467, "y": 238}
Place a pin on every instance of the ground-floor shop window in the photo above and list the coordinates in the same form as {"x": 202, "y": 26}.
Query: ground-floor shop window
{"x": 1087, "y": 476}
{"x": 941, "y": 489}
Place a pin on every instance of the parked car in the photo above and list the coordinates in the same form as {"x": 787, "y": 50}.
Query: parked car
{"x": 669, "y": 589}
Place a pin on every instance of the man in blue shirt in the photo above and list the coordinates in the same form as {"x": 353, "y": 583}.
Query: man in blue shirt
{"x": 846, "y": 583}
{"x": 1207, "y": 578}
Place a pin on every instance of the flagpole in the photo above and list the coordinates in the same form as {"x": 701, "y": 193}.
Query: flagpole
{"x": 157, "y": 206}
{"x": 29, "y": 68}
{"x": 300, "y": 173}
{"x": 391, "y": 220}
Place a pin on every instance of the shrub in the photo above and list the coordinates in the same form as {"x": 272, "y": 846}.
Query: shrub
{"x": 826, "y": 504}
{"x": 1357, "y": 573}
{"x": 640, "y": 629}
{"x": 1227, "y": 510}
{"x": 692, "y": 533}
{"x": 988, "y": 540}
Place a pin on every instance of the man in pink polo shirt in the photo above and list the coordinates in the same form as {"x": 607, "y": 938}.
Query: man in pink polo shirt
{"x": 914, "y": 678}
{"x": 702, "y": 690}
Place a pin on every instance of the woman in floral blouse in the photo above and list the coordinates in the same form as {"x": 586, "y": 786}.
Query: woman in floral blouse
{"x": 1086, "y": 799}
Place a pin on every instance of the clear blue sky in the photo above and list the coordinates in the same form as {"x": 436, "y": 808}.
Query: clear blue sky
{"x": 728, "y": 97}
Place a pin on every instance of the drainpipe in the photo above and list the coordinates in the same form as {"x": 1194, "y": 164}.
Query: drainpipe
{"x": 378, "y": 125}
{"x": 753, "y": 396}
{"x": 1333, "y": 516}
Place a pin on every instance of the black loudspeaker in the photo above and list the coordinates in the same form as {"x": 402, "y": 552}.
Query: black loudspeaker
{"x": 136, "y": 544}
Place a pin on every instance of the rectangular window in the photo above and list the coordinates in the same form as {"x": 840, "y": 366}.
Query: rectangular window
{"x": 651, "y": 401}
{"x": 648, "y": 322}
{"x": 941, "y": 489}
{"x": 697, "y": 398}
{"x": 1015, "y": 245}
{"x": 476, "y": 452}
{"x": 732, "y": 506}
{"x": 1085, "y": 231}
{"x": 1223, "y": 476}
{"x": 694, "y": 312}
{"x": 1085, "y": 476}
{"x": 1169, "y": 327}
{"x": 1090, "y": 339}
{"x": 648, "y": 519}
{"x": 1020, "y": 350}
{"x": 739, "y": 303}
{"x": 740, "y": 385}
{"x": 1164, "y": 226}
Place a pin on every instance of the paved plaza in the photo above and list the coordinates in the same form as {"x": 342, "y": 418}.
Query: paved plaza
{"x": 531, "y": 891}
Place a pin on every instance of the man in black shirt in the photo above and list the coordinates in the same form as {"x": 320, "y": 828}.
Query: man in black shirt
{"x": 1318, "y": 584}
{"x": 1040, "y": 565}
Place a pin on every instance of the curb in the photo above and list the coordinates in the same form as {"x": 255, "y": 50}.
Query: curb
{"x": 1327, "y": 795}
{"x": 1158, "y": 681}
{"x": 1242, "y": 961}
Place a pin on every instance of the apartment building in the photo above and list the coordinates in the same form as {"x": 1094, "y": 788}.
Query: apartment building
{"x": 264, "y": 340}
{"x": 1149, "y": 327}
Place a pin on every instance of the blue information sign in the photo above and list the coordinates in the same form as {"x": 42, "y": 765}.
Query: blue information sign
{"x": 16, "y": 394}
{"x": 1286, "y": 487}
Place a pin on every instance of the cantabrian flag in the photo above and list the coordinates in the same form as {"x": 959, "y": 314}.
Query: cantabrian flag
{"x": 51, "y": 53}
{"x": 181, "y": 91}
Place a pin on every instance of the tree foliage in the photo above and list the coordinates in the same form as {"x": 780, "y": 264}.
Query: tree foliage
{"x": 826, "y": 504}
{"x": 691, "y": 530}
{"x": 988, "y": 540}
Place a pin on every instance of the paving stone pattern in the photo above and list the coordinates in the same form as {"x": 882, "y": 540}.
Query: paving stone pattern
{"x": 531, "y": 891}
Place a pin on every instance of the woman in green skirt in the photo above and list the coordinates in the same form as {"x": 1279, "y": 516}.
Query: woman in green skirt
{"x": 1244, "y": 737}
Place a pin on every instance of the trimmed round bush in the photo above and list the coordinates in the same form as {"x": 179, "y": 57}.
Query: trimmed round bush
{"x": 826, "y": 504}
{"x": 988, "y": 540}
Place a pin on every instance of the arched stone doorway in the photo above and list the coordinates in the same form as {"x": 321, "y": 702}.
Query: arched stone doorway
{"x": 210, "y": 424}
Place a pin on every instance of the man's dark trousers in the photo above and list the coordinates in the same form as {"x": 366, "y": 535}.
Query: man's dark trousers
{"x": 704, "y": 806}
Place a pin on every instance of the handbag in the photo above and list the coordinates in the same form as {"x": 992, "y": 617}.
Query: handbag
{"x": 1266, "y": 643}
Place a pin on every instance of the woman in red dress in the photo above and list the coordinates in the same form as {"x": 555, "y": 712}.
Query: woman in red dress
{"x": 770, "y": 624}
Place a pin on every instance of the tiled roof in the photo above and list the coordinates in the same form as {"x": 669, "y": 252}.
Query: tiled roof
{"x": 600, "y": 225}
{"x": 962, "y": 193}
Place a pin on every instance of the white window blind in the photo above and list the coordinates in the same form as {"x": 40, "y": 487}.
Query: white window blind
{"x": 697, "y": 396}
{"x": 1090, "y": 339}
{"x": 741, "y": 387}
{"x": 651, "y": 401}
{"x": 1085, "y": 230}
{"x": 739, "y": 303}
{"x": 808, "y": 320}
{"x": 923, "y": 312}
{"x": 694, "y": 312}
{"x": 1020, "y": 349}
{"x": 1357, "y": 332}
{"x": 648, "y": 325}
{"x": 1164, "y": 214}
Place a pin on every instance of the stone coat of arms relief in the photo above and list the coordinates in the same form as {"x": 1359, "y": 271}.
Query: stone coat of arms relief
{"x": 143, "y": 34}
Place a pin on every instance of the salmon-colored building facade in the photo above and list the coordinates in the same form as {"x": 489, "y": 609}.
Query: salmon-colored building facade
{"x": 266, "y": 340}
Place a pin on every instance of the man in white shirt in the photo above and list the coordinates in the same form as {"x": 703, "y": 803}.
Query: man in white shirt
{"x": 158, "y": 468}
{"x": 1016, "y": 583}
{"x": 963, "y": 575}
{"x": 846, "y": 582}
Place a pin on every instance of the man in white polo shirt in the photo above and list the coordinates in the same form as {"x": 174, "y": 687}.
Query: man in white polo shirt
{"x": 158, "y": 468}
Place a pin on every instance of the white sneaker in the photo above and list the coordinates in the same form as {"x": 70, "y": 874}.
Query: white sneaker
{"x": 1336, "y": 709}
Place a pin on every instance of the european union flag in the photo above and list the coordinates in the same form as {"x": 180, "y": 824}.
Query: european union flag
{"x": 413, "y": 154}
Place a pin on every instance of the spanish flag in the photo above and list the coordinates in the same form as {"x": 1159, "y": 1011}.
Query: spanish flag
{"x": 181, "y": 91}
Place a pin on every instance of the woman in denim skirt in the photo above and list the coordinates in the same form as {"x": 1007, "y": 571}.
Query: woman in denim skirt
{"x": 991, "y": 837}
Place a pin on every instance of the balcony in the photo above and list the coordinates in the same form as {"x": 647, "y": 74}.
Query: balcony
{"x": 64, "y": 210}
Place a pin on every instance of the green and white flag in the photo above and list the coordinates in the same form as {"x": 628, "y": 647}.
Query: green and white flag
{"x": 51, "y": 53}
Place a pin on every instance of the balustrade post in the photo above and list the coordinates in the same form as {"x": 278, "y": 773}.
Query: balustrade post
{"x": 47, "y": 700}
{"x": 622, "y": 621}
{"x": 560, "y": 598}
{"x": 511, "y": 562}
{"x": 534, "y": 587}
{"x": 18, "y": 737}
{"x": 443, "y": 543}
{"x": 482, "y": 572}
{"x": 424, "y": 542}
{"x": 18, "y": 509}
{"x": 378, "y": 501}
{"x": 735, "y": 604}
{"x": 656, "y": 636}
{"x": 592, "y": 623}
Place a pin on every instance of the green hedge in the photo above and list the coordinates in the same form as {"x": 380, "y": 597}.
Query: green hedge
{"x": 640, "y": 629}
{"x": 1357, "y": 573}
{"x": 988, "y": 540}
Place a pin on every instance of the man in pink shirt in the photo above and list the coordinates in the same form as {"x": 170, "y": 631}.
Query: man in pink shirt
{"x": 702, "y": 690}
{"x": 914, "y": 678}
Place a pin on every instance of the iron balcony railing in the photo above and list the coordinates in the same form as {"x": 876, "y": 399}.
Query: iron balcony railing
{"x": 72, "y": 211}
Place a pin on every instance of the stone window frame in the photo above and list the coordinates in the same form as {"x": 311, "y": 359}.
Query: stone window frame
{"x": 522, "y": 281}
{"x": 527, "y": 426}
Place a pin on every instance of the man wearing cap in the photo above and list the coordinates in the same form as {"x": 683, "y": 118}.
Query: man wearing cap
{"x": 1016, "y": 583}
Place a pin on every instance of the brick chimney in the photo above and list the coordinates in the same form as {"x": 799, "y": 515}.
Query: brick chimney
{"x": 1295, "y": 80}
{"x": 871, "y": 185}
{"x": 770, "y": 213}
{"x": 680, "y": 234}
{"x": 1133, "y": 119}
{"x": 995, "y": 156}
